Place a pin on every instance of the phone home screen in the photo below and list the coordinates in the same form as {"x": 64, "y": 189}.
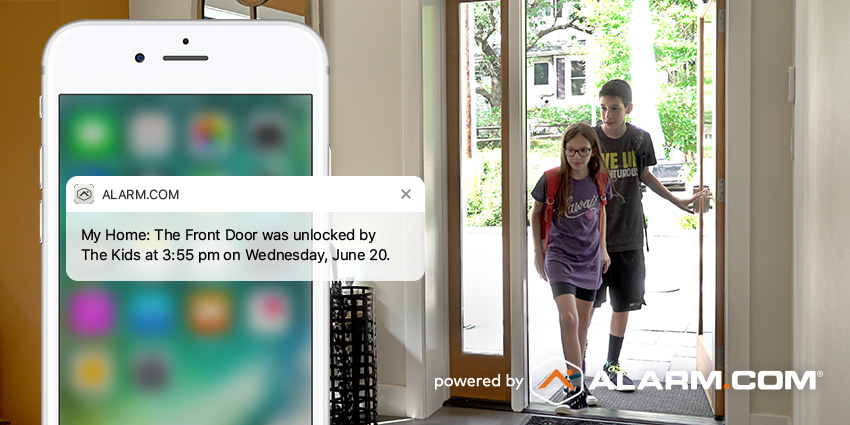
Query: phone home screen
{"x": 183, "y": 352}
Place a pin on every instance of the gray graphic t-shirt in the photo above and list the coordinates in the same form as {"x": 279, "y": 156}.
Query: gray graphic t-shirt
{"x": 573, "y": 255}
{"x": 625, "y": 158}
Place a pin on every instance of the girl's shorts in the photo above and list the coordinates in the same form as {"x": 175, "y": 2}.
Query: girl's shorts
{"x": 561, "y": 288}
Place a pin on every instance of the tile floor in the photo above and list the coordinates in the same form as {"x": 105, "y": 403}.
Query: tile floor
{"x": 463, "y": 416}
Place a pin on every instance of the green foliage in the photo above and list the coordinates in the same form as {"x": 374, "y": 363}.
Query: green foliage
{"x": 609, "y": 23}
{"x": 677, "y": 108}
{"x": 675, "y": 22}
{"x": 484, "y": 201}
{"x": 556, "y": 115}
{"x": 675, "y": 55}
{"x": 489, "y": 116}
{"x": 688, "y": 222}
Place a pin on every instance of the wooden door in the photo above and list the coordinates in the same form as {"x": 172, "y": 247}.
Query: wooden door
{"x": 479, "y": 253}
{"x": 712, "y": 157}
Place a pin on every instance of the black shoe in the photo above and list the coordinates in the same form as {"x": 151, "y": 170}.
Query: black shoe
{"x": 614, "y": 371}
{"x": 576, "y": 404}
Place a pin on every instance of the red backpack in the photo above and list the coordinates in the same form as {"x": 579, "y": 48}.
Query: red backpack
{"x": 552, "y": 183}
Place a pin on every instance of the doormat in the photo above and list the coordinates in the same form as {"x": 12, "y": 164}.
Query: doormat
{"x": 676, "y": 401}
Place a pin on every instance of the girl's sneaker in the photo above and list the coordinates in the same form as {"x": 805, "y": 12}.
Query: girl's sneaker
{"x": 591, "y": 399}
{"x": 576, "y": 405}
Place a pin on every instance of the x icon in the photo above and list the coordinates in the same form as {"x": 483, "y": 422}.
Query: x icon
{"x": 406, "y": 194}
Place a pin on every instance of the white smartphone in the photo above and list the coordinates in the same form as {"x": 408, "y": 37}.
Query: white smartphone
{"x": 180, "y": 98}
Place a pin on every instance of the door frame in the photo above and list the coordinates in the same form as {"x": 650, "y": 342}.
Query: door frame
{"x": 736, "y": 258}
{"x": 737, "y": 229}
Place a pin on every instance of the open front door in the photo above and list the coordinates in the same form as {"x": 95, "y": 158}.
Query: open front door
{"x": 711, "y": 59}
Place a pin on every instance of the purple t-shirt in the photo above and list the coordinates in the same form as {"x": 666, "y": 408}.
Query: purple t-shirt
{"x": 573, "y": 254}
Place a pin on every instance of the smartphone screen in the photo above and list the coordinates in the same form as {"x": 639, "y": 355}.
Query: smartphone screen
{"x": 197, "y": 352}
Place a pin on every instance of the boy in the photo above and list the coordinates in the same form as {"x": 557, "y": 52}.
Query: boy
{"x": 628, "y": 153}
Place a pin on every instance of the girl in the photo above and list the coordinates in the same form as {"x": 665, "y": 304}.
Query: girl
{"x": 575, "y": 257}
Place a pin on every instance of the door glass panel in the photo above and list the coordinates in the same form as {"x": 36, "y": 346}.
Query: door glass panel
{"x": 481, "y": 178}
{"x": 551, "y": 107}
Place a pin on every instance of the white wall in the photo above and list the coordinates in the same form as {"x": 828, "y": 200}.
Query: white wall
{"x": 821, "y": 227}
{"x": 386, "y": 103}
{"x": 364, "y": 47}
{"x": 771, "y": 200}
{"x": 759, "y": 204}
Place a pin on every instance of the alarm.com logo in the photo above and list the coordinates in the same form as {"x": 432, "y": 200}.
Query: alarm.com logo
{"x": 556, "y": 380}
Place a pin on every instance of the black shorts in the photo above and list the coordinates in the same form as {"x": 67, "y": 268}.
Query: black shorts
{"x": 561, "y": 288}
{"x": 625, "y": 281}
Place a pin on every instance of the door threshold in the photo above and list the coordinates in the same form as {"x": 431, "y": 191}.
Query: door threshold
{"x": 630, "y": 416}
{"x": 475, "y": 403}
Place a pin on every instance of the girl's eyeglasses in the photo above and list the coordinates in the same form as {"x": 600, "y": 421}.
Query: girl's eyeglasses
{"x": 583, "y": 152}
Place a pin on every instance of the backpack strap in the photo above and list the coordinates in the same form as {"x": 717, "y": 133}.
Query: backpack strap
{"x": 638, "y": 135}
{"x": 601, "y": 182}
{"x": 552, "y": 182}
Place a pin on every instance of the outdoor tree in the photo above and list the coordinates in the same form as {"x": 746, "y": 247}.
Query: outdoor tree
{"x": 541, "y": 20}
{"x": 608, "y": 23}
{"x": 546, "y": 22}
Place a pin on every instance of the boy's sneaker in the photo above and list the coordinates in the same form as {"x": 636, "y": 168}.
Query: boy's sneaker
{"x": 575, "y": 406}
{"x": 614, "y": 370}
{"x": 591, "y": 399}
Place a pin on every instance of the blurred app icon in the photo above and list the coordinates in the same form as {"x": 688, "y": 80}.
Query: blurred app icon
{"x": 92, "y": 312}
{"x": 210, "y": 135}
{"x": 268, "y": 312}
{"x": 267, "y": 132}
{"x": 150, "y": 134}
{"x": 151, "y": 371}
{"x": 151, "y": 313}
{"x": 92, "y": 372}
{"x": 209, "y": 312}
{"x": 94, "y": 134}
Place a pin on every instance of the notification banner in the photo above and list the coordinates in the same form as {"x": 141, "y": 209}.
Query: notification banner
{"x": 244, "y": 228}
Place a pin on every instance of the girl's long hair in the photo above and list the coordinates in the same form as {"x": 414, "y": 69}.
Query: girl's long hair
{"x": 596, "y": 166}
